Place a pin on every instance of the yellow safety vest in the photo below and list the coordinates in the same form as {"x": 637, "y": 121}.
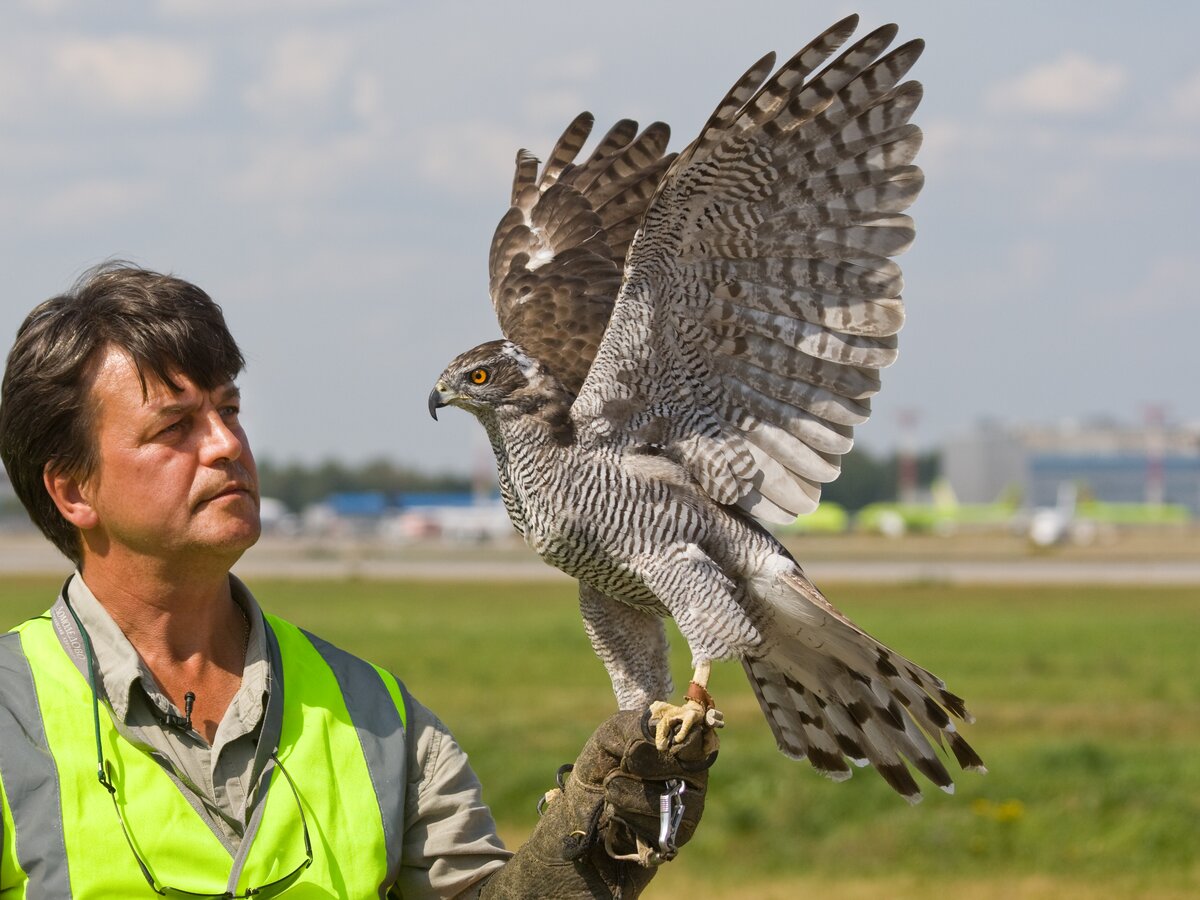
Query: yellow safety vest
{"x": 342, "y": 742}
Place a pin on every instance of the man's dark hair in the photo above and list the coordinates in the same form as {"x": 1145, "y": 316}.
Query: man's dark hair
{"x": 163, "y": 324}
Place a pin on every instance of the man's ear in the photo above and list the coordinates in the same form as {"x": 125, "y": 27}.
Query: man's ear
{"x": 70, "y": 497}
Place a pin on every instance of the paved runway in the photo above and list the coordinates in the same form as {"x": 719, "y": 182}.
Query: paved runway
{"x": 28, "y": 553}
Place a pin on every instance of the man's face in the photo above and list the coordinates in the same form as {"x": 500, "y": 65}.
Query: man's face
{"x": 175, "y": 473}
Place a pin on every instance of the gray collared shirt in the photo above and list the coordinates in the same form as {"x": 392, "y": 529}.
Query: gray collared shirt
{"x": 219, "y": 780}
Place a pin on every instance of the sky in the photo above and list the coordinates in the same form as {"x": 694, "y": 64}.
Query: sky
{"x": 331, "y": 172}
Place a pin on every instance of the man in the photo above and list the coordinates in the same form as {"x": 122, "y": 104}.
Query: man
{"x": 242, "y": 756}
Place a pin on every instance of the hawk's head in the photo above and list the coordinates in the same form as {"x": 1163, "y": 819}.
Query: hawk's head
{"x": 490, "y": 376}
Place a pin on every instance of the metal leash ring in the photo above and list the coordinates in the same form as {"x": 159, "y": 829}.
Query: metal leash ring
{"x": 670, "y": 815}
{"x": 560, "y": 779}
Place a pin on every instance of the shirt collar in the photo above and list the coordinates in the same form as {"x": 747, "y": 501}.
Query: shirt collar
{"x": 119, "y": 668}
{"x": 256, "y": 673}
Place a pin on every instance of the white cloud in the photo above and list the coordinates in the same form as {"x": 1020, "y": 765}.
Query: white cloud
{"x": 1170, "y": 284}
{"x": 294, "y": 169}
{"x": 1071, "y": 85}
{"x": 1029, "y": 262}
{"x": 1185, "y": 99}
{"x": 131, "y": 74}
{"x": 366, "y": 98}
{"x": 88, "y": 202}
{"x": 356, "y": 269}
{"x": 555, "y": 107}
{"x": 46, "y": 7}
{"x": 469, "y": 156}
{"x": 949, "y": 143}
{"x": 1147, "y": 146}
{"x": 11, "y": 94}
{"x": 577, "y": 66}
{"x": 303, "y": 71}
{"x": 219, "y": 9}
{"x": 1070, "y": 194}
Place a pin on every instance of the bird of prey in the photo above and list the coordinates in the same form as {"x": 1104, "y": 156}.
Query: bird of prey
{"x": 689, "y": 341}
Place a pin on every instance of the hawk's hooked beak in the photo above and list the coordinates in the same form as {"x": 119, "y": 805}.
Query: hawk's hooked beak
{"x": 440, "y": 396}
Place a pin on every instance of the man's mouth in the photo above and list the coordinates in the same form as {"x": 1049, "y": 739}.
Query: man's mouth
{"x": 231, "y": 490}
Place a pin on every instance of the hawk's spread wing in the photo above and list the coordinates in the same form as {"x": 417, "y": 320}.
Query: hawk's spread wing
{"x": 759, "y": 300}
{"x": 557, "y": 255}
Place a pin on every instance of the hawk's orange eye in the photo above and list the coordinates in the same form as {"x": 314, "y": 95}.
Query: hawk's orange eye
{"x": 479, "y": 376}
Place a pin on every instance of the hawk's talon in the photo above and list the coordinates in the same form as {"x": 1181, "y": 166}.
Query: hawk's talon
{"x": 676, "y": 722}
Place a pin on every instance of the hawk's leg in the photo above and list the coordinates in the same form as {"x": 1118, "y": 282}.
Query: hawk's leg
{"x": 631, "y": 641}
{"x": 703, "y": 601}
{"x": 697, "y": 709}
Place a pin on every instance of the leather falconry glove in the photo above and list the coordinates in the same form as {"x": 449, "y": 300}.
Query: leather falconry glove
{"x": 624, "y": 808}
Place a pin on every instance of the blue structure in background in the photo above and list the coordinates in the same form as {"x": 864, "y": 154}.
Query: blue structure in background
{"x": 376, "y": 504}
{"x": 1105, "y": 461}
{"x": 1115, "y": 479}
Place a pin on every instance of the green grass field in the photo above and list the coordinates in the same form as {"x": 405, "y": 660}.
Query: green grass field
{"x": 1087, "y": 698}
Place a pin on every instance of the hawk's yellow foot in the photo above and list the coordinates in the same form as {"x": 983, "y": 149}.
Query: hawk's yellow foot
{"x": 676, "y": 722}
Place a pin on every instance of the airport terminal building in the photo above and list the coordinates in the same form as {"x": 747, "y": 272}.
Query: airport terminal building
{"x": 1105, "y": 460}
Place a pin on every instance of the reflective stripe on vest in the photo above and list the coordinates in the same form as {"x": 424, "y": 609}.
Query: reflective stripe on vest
{"x": 342, "y": 741}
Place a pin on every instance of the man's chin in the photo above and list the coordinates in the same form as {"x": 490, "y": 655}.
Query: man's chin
{"x": 251, "y": 535}
{"x": 237, "y": 537}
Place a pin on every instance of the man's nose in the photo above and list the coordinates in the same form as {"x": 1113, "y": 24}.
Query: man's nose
{"x": 220, "y": 440}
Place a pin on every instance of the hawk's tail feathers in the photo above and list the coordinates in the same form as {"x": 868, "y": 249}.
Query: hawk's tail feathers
{"x": 831, "y": 693}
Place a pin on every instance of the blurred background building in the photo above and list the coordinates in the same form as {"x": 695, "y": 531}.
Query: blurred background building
{"x": 1152, "y": 464}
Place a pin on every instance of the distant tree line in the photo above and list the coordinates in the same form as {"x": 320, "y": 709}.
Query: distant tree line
{"x": 865, "y": 478}
{"x": 299, "y": 485}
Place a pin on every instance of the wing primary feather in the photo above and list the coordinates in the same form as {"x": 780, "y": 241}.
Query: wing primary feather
{"x": 812, "y": 434}
{"x": 803, "y": 460}
{"x": 878, "y": 126}
{"x": 871, "y": 87}
{"x": 633, "y": 191}
{"x": 819, "y": 93}
{"x": 774, "y": 93}
{"x": 866, "y": 316}
{"x": 525, "y": 174}
{"x": 567, "y": 148}
{"x": 740, "y": 376}
{"x": 732, "y": 103}
{"x": 789, "y": 334}
{"x": 642, "y": 151}
{"x": 617, "y": 137}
